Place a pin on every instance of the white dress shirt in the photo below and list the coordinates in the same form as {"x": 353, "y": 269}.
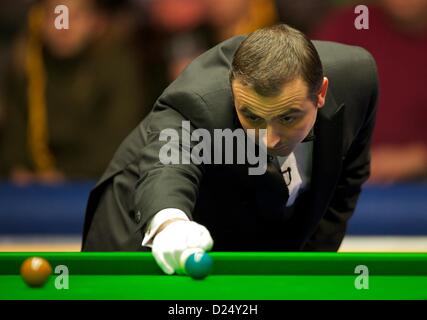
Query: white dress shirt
{"x": 300, "y": 164}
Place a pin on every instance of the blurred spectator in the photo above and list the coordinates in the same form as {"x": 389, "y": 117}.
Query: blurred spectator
{"x": 12, "y": 16}
{"x": 397, "y": 38}
{"x": 71, "y": 96}
{"x": 230, "y": 18}
{"x": 177, "y": 31}
{"x": 180, "y": 25}
{"x": 304, "y": 15}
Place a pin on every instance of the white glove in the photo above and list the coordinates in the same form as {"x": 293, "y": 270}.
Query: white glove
{"x": 177, "y": 241}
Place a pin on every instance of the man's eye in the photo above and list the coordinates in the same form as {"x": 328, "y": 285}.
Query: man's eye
{"x": 253, "y": 118}
{"x": 287, "y": 119}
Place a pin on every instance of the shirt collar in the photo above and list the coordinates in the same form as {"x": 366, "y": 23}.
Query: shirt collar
{"x": 310, "y": 136}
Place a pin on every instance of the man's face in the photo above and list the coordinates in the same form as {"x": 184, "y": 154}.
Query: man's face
{"x": 287, "y": 117}
{"x": 406, "y": 11}
{"x": 84, "y": 24}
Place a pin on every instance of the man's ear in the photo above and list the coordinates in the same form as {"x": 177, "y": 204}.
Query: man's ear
{"x": 321, "y": 96}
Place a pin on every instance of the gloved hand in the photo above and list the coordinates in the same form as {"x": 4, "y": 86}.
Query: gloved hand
{"x": 177, "y": 241}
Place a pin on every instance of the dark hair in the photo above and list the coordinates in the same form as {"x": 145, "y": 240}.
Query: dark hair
{"x": 270, "y": 57}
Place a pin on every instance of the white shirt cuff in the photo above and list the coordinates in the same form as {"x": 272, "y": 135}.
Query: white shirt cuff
{"x": 159, "y": 218}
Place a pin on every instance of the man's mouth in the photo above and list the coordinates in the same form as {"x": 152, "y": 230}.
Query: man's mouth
{"x": 280, "y": 148}
{"x": 283, "y": 150}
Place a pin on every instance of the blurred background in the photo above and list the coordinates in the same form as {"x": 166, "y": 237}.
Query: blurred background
{"x": 69, "y": 97}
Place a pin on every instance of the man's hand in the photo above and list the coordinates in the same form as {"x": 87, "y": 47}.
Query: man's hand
{"x": 176, "y": 238}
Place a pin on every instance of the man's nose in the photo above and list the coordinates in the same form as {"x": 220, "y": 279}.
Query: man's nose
{"x": 272, "y": 138}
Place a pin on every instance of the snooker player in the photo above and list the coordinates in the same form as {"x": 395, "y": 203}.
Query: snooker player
{"x": 316, "y": 101}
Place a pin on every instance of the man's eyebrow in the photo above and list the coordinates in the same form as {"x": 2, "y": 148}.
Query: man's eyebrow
{"x": 245, "y": 108}
{"x": 290, "y": 111}
{"x": 249, "y": 113}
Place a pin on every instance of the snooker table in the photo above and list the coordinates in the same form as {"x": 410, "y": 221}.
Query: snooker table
{"x": 235, "y": 276}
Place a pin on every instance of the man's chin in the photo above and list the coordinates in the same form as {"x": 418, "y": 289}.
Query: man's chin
{"x": 279, "y": 152}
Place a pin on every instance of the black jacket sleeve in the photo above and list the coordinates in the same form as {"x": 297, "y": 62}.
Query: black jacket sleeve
{"x": 174, "y": 185}
{"x": 356, "y": 170}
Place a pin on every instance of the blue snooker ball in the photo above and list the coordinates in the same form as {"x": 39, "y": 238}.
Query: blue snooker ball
{"x": 198, "y": 265}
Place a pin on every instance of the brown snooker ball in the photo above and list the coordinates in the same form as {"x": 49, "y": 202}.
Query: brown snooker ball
{"x": 35, "y": 271}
